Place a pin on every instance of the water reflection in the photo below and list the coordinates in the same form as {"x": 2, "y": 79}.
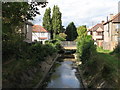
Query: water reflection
{"x": 64, "y": 76}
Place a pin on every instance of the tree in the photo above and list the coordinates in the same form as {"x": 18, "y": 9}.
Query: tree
{"x": 56, "y": 20}
{"x": 61, "y": 36}
{"x": 47, "y": 21}
{"x": 62, "y": 29}
{"x": 14, "y": 16}
{"x": 71, "y": 32}
{"x": 85, "y": 44}
{"x": 82, "y": 31}
{"x": 15, "y": 13}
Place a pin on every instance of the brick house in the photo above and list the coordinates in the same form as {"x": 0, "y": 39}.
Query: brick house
{"x": 97, "y": 34}
{"x": 111, "y": 32}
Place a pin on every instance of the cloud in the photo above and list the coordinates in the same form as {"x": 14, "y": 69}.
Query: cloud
{"x": 81, "y": 11}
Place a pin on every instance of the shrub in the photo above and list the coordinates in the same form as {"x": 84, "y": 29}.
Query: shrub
{"x": 116, "y": 52}
{"x": 86, "y": 48}
{"x": 107, "y": 72}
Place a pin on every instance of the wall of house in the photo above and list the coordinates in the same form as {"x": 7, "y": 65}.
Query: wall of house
{"x": 114, "y": 36}
{"x": 28, "y": 33}
{"x": 98, "y": 38}
{"x": 94, "y": 35}
{"x": 35, "y": 36}
{"x": 88, "y": 33}
{"x": 106, "y": 44}
{"x": 106, "y": 34}
{"x": 100, "y": 43}
{"x": 110, "y": 36}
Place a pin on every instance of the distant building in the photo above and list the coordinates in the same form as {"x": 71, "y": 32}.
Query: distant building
{"x": 97, "y": 34}
{"x": 111, "y": 32}
{"x": 40, "y": 34}
{"x": 27, "y": 31}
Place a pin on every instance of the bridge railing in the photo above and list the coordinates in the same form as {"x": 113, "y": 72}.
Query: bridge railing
{"x": 68, "y": 43}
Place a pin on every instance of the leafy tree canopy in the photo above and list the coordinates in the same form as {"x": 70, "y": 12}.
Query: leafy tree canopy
{"x": 82, "y": 31}
{"x": 61, "y": 37}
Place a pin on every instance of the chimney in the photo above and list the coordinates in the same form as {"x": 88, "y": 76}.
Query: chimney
{"x": 103, "y": 22}
{"x": 111, "y": 16}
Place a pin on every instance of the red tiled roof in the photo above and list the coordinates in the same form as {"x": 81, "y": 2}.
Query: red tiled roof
{"x": 94, "y": 28}
{"x": 43, "y": 38}
{"x": 38, "y": 28}
{"x": 116, "y": 18}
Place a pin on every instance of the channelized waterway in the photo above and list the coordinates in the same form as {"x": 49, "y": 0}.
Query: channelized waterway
{"x": 63, "y": 75}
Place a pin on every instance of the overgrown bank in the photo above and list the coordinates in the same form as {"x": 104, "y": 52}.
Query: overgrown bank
{"x": 99, "y": 68}
{"x": 28, "y": 70}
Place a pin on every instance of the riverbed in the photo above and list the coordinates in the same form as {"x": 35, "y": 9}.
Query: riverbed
{"x": 63, "y": 74}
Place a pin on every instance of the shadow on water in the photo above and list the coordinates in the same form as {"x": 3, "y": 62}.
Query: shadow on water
{"x": 62, "y": 74}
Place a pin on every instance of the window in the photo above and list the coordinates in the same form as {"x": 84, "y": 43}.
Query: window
{"x": 99, "y": 33}
{"x": 42, "y": 33}
{"x": 117, "y": 27}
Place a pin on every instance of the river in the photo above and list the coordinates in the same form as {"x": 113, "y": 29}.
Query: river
{"x": 63, "y": 74}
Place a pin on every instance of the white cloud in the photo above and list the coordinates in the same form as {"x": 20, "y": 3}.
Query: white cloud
{"x": 81, "y": 11}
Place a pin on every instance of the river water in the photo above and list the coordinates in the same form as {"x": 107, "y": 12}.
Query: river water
{"x": 62, "y": 75}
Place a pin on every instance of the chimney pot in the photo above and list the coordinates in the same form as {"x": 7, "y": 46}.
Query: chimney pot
{"x": 103, "y": 22}
{"x": 111, "y": 16}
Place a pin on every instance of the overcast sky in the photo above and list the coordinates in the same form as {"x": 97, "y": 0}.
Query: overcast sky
{"x": 81, "y": 12}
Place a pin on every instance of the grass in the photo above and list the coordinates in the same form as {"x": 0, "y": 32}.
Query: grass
{"x": 100, "y": 50}
{"x": 112, "y": 63}
{"x": 110, "y": 59}
{"x": 103, "y": 66}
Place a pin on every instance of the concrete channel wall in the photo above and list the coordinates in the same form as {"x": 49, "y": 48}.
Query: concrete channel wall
{"x": 46, "y": 71}
{"x": 31, "y": 77}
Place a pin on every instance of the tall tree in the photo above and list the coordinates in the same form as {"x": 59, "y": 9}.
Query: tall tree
{"x": 71, "y": 32}
{"x": 47, "y": 21}
{"x": 56, "y": 20}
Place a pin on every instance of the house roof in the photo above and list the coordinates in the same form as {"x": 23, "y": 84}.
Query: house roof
{"x": 94, "y": 28}
{"x": 38, "y": 28}
{"x": 115, "y": 19}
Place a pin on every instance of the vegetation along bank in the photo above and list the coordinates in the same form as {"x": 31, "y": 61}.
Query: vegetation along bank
{"x": 99, "y": 67}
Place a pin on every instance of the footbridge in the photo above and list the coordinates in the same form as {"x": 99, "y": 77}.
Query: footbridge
{"x": 69, "y": 45}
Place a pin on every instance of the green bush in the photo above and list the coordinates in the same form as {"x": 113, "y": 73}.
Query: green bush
{"x": 57, "y": 46}
{"x": 116, "y": 52}
{"x": 12, "y": 46}
{"x": 86, "y": 48}
{"x": 85, "y": 44}
{"x": 39, "y": 51}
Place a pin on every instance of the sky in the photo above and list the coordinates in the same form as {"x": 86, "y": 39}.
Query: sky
{"x": 81, "y": 12}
